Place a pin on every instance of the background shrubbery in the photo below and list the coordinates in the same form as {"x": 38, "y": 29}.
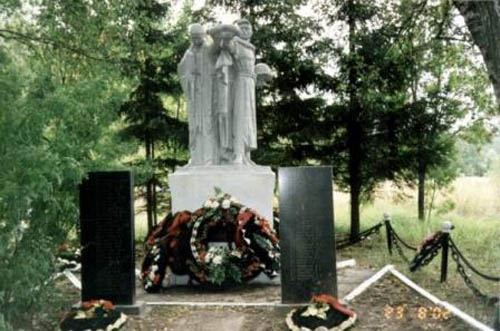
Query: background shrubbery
{"x": 51, "y": 134}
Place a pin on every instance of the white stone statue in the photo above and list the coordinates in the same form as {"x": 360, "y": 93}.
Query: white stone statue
{"x": 196, "y": 71}
{"x": 219, "y": 79}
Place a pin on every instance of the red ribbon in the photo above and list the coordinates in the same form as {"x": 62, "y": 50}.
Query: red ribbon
{"x": 181, "y": 218}
{"x": 328, "y": 299}
{"x": 242, "y": 219}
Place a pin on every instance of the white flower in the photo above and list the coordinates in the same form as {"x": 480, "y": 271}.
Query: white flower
{"x": 151, "y": 275}
{"x": 247, "y": 240}
{"x": 226, "y": 204}
{"x": 24, "y": 226}
{"x": 217, "y": 260}
{"x": 3, "y": 224}
{"x": 316, "y": 310}
{"x": 208, "y": 203}
{"x": 154, "y": 268}
{"x": 208, "y": 257}
{"x": 236, "y": 253}
{"x": 215, "y": 204}
{"x": 157, "y": 257}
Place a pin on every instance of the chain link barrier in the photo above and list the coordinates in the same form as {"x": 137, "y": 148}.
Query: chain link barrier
{"x": 362, "y": 236}
{"x": 458, "y": 257}
{"x": 398, "y": 242}
{"x": 426, "y": 254}
{"x": 461, "y": 256}
{"x": 395, "y": 241}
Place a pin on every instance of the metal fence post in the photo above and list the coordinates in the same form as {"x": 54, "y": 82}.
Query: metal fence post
{"x": 496, "y": 318}
{"x": 447, "y": 226}
{"x": 388, "y": 232}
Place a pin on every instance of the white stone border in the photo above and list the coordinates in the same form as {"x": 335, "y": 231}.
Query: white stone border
{"x": 222, "y": 304}
{"x": 457, "y": 312}
{"x": 367, "y": 283}
{"x": 72, "y": 278}
{"x": 346, "y": 264}
{"x": 454, "y": 310}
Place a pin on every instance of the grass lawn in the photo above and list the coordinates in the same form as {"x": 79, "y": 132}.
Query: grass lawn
{"x": 476, "y": 217}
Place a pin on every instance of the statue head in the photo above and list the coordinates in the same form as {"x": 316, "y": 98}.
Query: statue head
{"x": 197, "y": 32}
{"x": 245, "y": 27}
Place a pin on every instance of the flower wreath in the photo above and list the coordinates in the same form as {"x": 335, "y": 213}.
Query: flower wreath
{"x": 94, "y": 315}
{"x": 324, "y": 311}
{"x": 182, "y": 242}
{"x": 68, "y": 258}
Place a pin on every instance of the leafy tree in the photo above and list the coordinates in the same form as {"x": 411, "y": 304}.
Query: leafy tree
{"x": 154, "y": 60}
{"x": 483, "y": 21}
{"x": 374, "y": 71}
{"x": 58, "y": 120}
{"x": 445, "y": 89}
{"x": 51, "y": 135}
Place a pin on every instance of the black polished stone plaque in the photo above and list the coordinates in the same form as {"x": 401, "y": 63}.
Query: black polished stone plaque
{"x": 107, "y": 237}
{"x": 307, "y": 235}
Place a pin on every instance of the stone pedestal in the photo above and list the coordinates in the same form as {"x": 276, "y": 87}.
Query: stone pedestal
{"x": 253, "y": 186}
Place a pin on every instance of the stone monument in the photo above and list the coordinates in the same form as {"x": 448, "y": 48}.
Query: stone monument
{"x": 307, "y": 233}
{"x": 218, "y": 74}
{"x": 107, "y": 239}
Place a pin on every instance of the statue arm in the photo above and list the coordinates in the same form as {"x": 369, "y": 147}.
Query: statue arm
{"x": 216, "y": 31}
{"x": 221, "y": 35}
{"x": 185, "y": 75}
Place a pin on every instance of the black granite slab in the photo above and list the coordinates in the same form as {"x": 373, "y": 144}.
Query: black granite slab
{"x": 107, "y": 237}
{"x": 307, "y": 235}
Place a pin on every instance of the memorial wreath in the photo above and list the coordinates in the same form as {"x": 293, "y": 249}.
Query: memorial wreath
{"x": 185, "y": 243}
{"x": 324, "y": 311}
{"x": 94, "y": 315}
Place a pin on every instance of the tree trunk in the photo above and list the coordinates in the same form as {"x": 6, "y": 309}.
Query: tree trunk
{"x": 483, "y": 20}
{"x": 355, "y": 219}
{"x": 421, "y": 192}
{"x": 354, "y": 130}
{"x": 153, "y": 188}
{"x": 149, "y": 192}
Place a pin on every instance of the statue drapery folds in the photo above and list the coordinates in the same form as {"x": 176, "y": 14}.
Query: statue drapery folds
{"x": 218, "y": 77}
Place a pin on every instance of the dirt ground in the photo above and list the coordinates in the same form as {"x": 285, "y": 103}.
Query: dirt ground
{"x": 387, "y": 305}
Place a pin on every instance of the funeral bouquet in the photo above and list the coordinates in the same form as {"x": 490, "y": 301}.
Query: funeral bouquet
{"x": 186, "y": 242}
{"x": 324, "y": 312}
{"x": 94, "y": 315}
{"x": 68, "y": 258}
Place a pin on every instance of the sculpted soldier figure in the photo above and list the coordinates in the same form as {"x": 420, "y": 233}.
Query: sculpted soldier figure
{"x": 243, "y": 108}
{"x": 196, "y": 71}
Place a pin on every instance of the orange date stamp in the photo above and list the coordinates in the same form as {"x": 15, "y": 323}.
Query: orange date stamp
{"x": 430, "y": 312}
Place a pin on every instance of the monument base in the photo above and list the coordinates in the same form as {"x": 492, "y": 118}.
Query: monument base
{"x": 253, "y": 186}
{"x": 183, "y": 280}
{"x": 135, "y": 309}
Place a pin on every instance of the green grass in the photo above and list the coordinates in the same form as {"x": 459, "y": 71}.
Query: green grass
{"x": 476, "y": 217}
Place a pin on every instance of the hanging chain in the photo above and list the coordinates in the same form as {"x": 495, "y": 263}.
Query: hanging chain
{"x": 461, "y": 270}
{"x": 395, "y": 241}
{"x": 425, "y": 256}
{"x": 362, "y": 236}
